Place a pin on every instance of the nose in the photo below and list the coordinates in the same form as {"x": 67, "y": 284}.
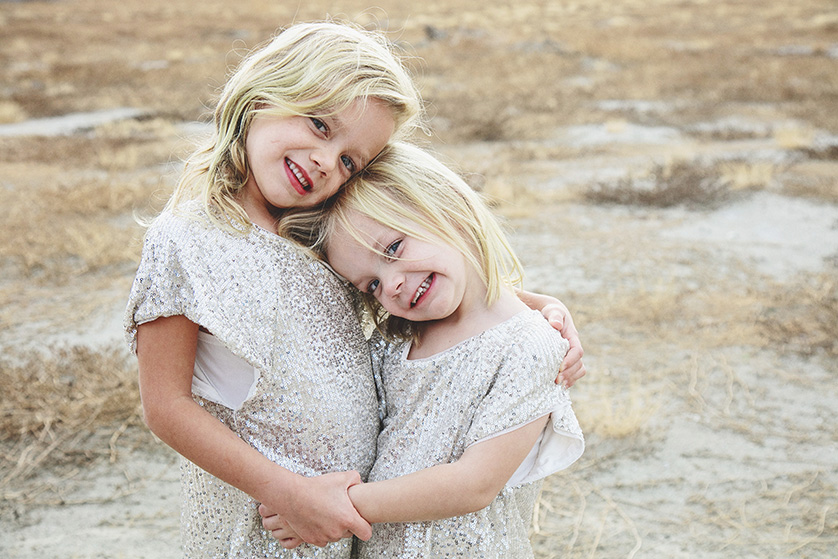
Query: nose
{"x": 326, "y": 158}
{"x": 393, "y": 283}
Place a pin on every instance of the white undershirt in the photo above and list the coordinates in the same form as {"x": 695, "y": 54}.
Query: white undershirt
{"x": 554, "y": 450}
{"x": 219, "y": 375}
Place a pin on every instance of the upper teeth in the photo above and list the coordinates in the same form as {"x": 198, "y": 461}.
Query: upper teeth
{"x": 422, "y": 288}
{"x": 298, "y": 174}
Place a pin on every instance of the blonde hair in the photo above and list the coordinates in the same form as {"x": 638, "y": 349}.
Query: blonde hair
{"x": 407, "y": 185}
{"x": 308, "y": 69}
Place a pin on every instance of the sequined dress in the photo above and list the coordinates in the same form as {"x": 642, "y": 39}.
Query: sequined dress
{"x": 434, "y": 408}
{"x": 313, "y": 407}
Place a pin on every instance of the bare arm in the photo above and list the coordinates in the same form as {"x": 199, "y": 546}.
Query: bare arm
{"x": 166, "y": 354}
{"x": 443, "y": 491}
{"x": 559, "y": 317}
{"x": 464, "y": 486}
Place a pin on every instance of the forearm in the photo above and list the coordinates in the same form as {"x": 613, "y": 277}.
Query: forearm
{"x": 166, "y": 350}
{"x": 445, "y": 490}
{"x": 430, "y": 494}
{"x": 198, "y": 436}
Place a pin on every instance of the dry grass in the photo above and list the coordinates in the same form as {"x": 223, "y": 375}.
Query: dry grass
{"x": 615, "y": 410}
{"x": 782, "y": 516}
{"x": 691, "y": 184}
{"x": 806, "y": 319}
{"x": 61, "y": 410}
{"x": 785, "y": 514}
{"x": 75, "y": 226}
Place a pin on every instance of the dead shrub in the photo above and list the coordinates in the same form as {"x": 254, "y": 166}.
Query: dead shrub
{"x": 804, "y": 320}
{"x": 54, "y": 404}
{"x": 679, "y": 183}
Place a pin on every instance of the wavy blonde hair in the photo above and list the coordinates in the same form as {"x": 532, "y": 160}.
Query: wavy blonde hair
{"x": 308, "y": 69}
{"x": 407, "y": 185}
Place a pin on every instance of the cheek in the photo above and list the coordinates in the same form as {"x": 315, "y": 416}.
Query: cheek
{"x": 333, "y": 188}
{"x": 250, "y": 152}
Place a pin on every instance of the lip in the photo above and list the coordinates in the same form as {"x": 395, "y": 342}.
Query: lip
{"x": 295, "y": 182}
{"x": 425, "y": 294}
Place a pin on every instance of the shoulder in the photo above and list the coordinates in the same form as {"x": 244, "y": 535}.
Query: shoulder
{"x": 185, "y": 218}
{"x": 529, "y": 338}
{"x": 530, "y": 329}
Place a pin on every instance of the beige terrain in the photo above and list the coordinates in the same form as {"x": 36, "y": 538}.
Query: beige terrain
{"x": 668, "y": 168}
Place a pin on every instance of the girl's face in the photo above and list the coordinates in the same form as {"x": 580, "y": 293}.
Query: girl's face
{"x": 416, "y": 280}
{"x": 301, "y": 161}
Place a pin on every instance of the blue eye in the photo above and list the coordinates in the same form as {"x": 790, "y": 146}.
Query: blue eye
{"x": 319, "y": 124}
{"x": 391, "y": 250}
{"x": 372, "y": 286}
{"x": 348, "y": 163}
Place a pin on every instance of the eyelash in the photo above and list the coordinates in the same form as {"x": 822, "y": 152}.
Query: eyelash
{"x": 319, "y": 124}
{"x": 389, "y": 253}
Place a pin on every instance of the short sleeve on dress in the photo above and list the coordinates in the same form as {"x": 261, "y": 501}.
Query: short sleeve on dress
{"x": 162, "y": 285}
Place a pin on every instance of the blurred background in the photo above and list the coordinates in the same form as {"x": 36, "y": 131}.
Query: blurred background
{"x": 667, "y": 168}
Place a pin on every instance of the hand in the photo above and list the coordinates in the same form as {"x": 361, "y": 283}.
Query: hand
{"x": 279, "y": 528}
{"x": 572, "y": 368}
{"x": 319, "y": 511}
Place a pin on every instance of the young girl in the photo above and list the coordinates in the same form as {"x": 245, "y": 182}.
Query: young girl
{"x": 252, "y": 363}
{"x": 471, "y": 415}
{"x": 282, "y": 389}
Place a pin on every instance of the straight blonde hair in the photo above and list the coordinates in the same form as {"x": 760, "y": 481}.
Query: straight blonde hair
{"x": 407, "y": 185}
{"x": 308, "y": 69}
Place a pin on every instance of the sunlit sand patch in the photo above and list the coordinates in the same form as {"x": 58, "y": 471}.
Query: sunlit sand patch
{"x": 68, "y": 124}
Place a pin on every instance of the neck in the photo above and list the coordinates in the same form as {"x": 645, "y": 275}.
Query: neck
{"x": 439, "y": 335}
{"x": 259, "y": 212}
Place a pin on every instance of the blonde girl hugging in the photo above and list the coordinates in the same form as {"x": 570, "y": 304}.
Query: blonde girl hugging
{"x": 472, "y": 419}
{"x": 252, "y": 363}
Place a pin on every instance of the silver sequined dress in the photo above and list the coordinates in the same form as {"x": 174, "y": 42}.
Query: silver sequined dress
{"x": 434, "y": 408}
{"x": 313, "y": 408}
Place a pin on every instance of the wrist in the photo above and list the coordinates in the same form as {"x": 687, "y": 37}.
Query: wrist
{"x": 280, "y": 489}
{"x": 359, "y": 495}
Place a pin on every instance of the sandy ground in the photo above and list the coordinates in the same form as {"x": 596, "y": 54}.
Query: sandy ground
{"x": 707, "y": 437}
{"x": 738, "y": 460}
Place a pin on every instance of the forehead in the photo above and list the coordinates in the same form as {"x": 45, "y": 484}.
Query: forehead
{"x": 367, "y": 125}
{"x": 366, "y": 233}
{"x": 351, "y": 256}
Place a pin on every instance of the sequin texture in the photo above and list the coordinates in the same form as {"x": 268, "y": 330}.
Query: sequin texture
{"x": 434, "y": 408}
{"x": 313, "y": 408}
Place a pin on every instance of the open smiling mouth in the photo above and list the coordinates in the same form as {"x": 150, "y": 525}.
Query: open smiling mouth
{"x": 299, "y": 174}
{"x": 423, "y": 288}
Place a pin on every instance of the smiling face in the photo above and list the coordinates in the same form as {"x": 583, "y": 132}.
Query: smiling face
{"x": 410, "y": 277}
{"x": 298, "y": 161}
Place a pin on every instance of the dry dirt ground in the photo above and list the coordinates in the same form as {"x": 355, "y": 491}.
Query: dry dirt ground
{"x": 668, "y": 168}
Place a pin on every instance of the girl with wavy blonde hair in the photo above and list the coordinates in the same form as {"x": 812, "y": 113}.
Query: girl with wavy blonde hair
{"x": 252, "y": 363}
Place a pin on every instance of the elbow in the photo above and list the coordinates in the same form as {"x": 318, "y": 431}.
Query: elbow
{"x": 154, "y": 418}
{"x": 150, "y": 420}
{"x": 481, "y": 496}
